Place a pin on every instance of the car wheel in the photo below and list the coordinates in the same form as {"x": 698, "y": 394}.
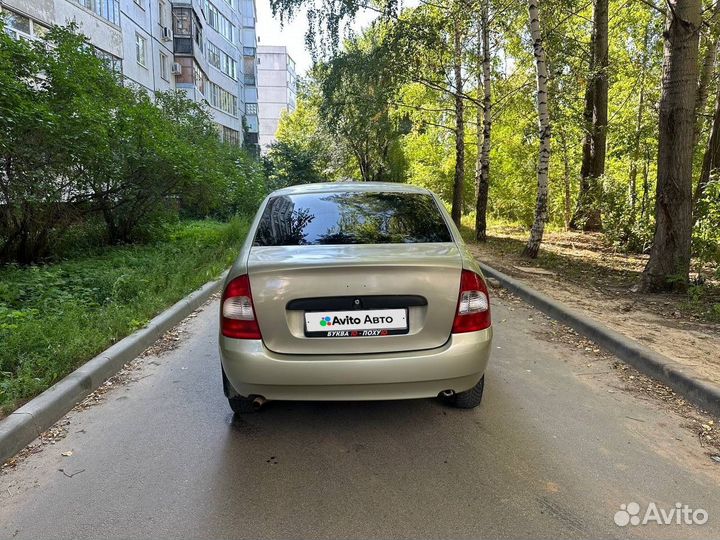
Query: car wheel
{"x": 238, "y": 404}
{"x": 469, "y": 399}
{"x": 241, "y": 405}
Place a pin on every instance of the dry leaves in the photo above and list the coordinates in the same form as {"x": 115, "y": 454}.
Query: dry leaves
{"x": 701, "y": 423}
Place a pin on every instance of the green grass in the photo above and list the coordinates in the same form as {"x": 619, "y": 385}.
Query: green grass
{"x": 54, "y": 318}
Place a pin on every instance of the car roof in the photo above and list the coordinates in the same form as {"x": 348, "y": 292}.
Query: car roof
{"x": 349, "y": 187}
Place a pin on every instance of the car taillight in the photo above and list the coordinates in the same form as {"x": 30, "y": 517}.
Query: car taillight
{"x": 237, "y": 317}
{"x": 473, "y": 309}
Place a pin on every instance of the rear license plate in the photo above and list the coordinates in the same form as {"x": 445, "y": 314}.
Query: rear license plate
{"x": 360, "y": 323}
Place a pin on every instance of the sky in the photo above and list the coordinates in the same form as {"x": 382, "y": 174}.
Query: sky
{"x": 292, "y": 34}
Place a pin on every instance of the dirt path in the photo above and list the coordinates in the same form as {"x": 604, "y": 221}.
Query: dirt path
{"x": 585, "y": 273}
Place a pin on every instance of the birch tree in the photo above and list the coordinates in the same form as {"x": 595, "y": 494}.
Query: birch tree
{"x": 484, "y": 116}
{"x": 459, "y": 181}
{"x": 541, "y": 208}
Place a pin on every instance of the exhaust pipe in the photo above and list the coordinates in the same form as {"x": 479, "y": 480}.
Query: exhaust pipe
{"x": 258, "y": 402}
{"x": 447, "y": 393}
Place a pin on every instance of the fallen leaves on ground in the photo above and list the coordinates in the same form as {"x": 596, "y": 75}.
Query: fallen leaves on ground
{"x": 700, "y": 422}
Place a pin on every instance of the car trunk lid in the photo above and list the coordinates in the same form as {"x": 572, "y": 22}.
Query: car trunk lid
{"x": 419, "y": 280}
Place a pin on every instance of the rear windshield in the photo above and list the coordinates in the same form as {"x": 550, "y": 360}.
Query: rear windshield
{"x": 351, "y": 218}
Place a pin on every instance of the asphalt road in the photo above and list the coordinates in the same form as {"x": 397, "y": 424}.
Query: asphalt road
{"x": 554, "y": 450}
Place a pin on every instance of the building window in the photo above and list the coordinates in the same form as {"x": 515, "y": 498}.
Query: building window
{"x": 219, "y": 22}
{"x": 198, "y": 36}
{"x": 140, "y": 4}
{"x": 213, "y": 55}
{"x": 230, "y": 67}
{"x": 112, "y": 62}
{"x": 222, "y": 99}
{"x": 251, "y": 108}
{"x": 221, "y": 60}
{"x": 162, "y": 17}
{"x": 20, "y": 27}
{"x": 182, "y": 45}
{"x": 248, "y": 8}
{"x": 249, "y": 69}
{"x": 18, "y": 22}
{"x": 248, "y": 51}
{"x": 182, "y": 22}
{"x": 107, "y": 9}
{"x": 140, "y": 50}
{"x": 199, "y": 78}
{"x": 164, "y": 67}
{"x": 231, "y": 136}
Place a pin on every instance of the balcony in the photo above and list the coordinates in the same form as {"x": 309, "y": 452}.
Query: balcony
{"x": 187, "y": 32}
{"x": 182, "y": 45}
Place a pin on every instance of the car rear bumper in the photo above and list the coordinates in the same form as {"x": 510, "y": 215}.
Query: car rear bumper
{"x": 253, "y": 370}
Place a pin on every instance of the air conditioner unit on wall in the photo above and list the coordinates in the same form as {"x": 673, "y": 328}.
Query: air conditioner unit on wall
{"x": 166, "y": 34}
{"x": 176, "y": 69}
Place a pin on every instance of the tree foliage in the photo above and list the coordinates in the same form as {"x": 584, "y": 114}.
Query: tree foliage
{"x": 305, "y": 151}
{"x": 591, "y": 48}
{"x": 358, "y": 88}
{"x": 76, "y": 144}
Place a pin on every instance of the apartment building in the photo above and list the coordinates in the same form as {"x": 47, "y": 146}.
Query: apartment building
{"x": 277, "y": 85}
{"x": 205, "y": 48}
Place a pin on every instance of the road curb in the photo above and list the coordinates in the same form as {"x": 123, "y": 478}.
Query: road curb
{"x": 700, "y": 392}
{"x": 24, "y": 425}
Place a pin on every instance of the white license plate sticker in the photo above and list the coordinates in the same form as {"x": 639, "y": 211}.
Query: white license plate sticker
{"x": 359, "y": 323}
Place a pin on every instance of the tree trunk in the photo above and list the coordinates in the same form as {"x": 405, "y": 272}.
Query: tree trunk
{"x": 669, "y": 264}
{"x": 636, "y": 148}
{"x": 710, "y": 164}
{"x": 644, "y": 211}
{"x": 706, "y": 72}
{"x": 638, "y": 127}
{"x": 566, "y": 182}
{"x": 459, "y": 184}
{"x": 711, "y": 157}
{"x": 584, "y": 202}
{"x": 587, "y": 215}
{"x": 483, "y": 162}
{"x": 536, "y": 232}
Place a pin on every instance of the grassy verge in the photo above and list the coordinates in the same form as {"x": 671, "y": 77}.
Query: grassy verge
{"x": 54, "y": 318}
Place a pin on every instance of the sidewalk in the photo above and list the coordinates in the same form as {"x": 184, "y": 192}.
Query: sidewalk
{"x": 598, "y": 285}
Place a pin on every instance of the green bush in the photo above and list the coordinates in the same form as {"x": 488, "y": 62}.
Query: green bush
{"x": 628, "y": 228}
{"x": 55, "y": 317}
{"x": 706, "y": 243}
{"x": 79, "y": 149}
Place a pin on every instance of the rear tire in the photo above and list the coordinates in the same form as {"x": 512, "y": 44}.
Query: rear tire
{"x": 469, "y": 399}
{"x": 241, "y": 405}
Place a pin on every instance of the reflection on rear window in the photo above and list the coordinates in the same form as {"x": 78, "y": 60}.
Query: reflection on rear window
{"x": 351, "y": 218}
